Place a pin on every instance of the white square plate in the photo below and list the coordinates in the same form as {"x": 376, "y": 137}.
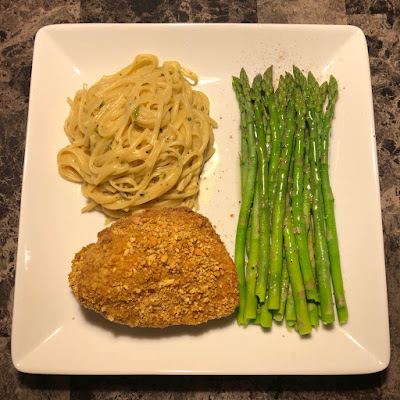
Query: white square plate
{"x": 52, "y": 333}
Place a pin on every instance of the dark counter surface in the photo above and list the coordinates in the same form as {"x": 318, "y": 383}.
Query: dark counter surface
{"x": 19, "y": 22}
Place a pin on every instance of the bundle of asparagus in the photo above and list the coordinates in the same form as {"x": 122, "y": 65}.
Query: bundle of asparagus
{"x": 286, "y": 222}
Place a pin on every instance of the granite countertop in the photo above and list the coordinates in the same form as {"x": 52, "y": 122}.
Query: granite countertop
{"x": 19, "y": 22}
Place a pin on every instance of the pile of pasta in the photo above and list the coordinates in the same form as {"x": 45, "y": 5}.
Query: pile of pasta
{"x": 139, "y": 138}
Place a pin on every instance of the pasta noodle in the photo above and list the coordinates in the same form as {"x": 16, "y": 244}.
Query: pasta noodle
{"x": 139, "y": 138}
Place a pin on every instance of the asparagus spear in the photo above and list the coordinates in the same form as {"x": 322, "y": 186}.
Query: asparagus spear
{"x": 250, "y": 311}
{"x": 278, "y": 212}
{"x": 323, "y": 91}
{"x": 264, "y": 213}
{"x": 313, "y": 309}
{"x": 237, "y": 86}
{"x": 290, "y": 84}
{"x": 331, "y": 232}
{"x": 295, "y": 277}
{"x": 301, "y": 81}
{"x": 247, "y": 198}
{"x": 257, "y": 241}
{"x": 276, "y": 133}
{"x": 282, "y": 98}
{"x": 303, "y": 324}
{"x": 244, "y": 156}
{"x": 307, "y": 185}
{"x": 312, "y": 305}
{"x": 319, "y": 117}
{"x": 321, "y": 247}
{"x": 279, "y": 314}
{"x": 297, "y": 199}
{"x": 267, "y": 125}
{"x": 290, "y": 312}
{"x": 268, "y": 89}
{"x": 267, "y": 83}
{"x": 266, "y": 315}
{"x": 257, "y": 321}
{"x": 248, "y": 232}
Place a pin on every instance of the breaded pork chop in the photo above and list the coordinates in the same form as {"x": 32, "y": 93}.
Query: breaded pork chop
{"x": 155, "y": 269}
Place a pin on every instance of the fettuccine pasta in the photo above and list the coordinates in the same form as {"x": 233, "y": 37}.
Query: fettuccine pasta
{"x": 139, "y": 138}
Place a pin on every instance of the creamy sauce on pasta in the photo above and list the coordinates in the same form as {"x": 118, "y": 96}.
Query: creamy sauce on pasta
{"x": 139, "y": 138}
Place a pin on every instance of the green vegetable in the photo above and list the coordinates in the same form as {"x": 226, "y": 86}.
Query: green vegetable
{"x": 297, "y": 199}
{"x": 331, "y": 232}
{"x": 278, "y": 212}
{"x": 321, "y": 246}
{"x": 135, "y": 113}
{"x": 247, "y": 196}
{"x": 286, "y": 222}
{"x": 264, "y": 210}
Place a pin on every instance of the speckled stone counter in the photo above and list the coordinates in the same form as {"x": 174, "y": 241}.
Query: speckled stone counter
{"x": 20, "y": 20}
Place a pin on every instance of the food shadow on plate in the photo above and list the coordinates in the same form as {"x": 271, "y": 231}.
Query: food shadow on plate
{"x": 119, "y": 330}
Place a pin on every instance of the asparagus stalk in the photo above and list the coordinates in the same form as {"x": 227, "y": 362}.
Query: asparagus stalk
{"x": 244, "y": 162}
{"x": 270, "y": 123}
{"x": 267, "y": 83}
{"x": 279, "y": 314}
{"x": 321, "y": 247}
{"x": 268, "y": 88}
{"x": 266, "y": 315}
{"x": 295, "y": 277}
{"x": 248, "y": 232}
{"x": 297, "y": 200}
{"x": 303, "y": 324}
{"x": 250, "y": 311}
{"x": 331, "y": 231}
{"x": 244, "y": 156}
{"x": 278, "y": 212}
{"x": 313, "y": 309}
{"x": 301, "y": 81}
{"x": 319, "y": 116}
{"x": 276, "y": 133}
{"x": 254, "y": 255}
{"x": 267, "y": 125}
{"x": 312, "y": 305}
{"x": 290, "y": 312}
{"x": 264, "y": 212}
{"x": 247, "y": 198}
{"x": 282, "y": 98}
{"x": 307, "y": 185}
{"x": 257, "y": 320}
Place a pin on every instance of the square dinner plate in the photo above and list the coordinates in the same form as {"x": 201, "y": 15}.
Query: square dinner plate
{"x": 52, "y": 333}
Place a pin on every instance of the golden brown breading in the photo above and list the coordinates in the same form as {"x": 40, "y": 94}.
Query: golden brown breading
{"x": 155, "y": 269}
